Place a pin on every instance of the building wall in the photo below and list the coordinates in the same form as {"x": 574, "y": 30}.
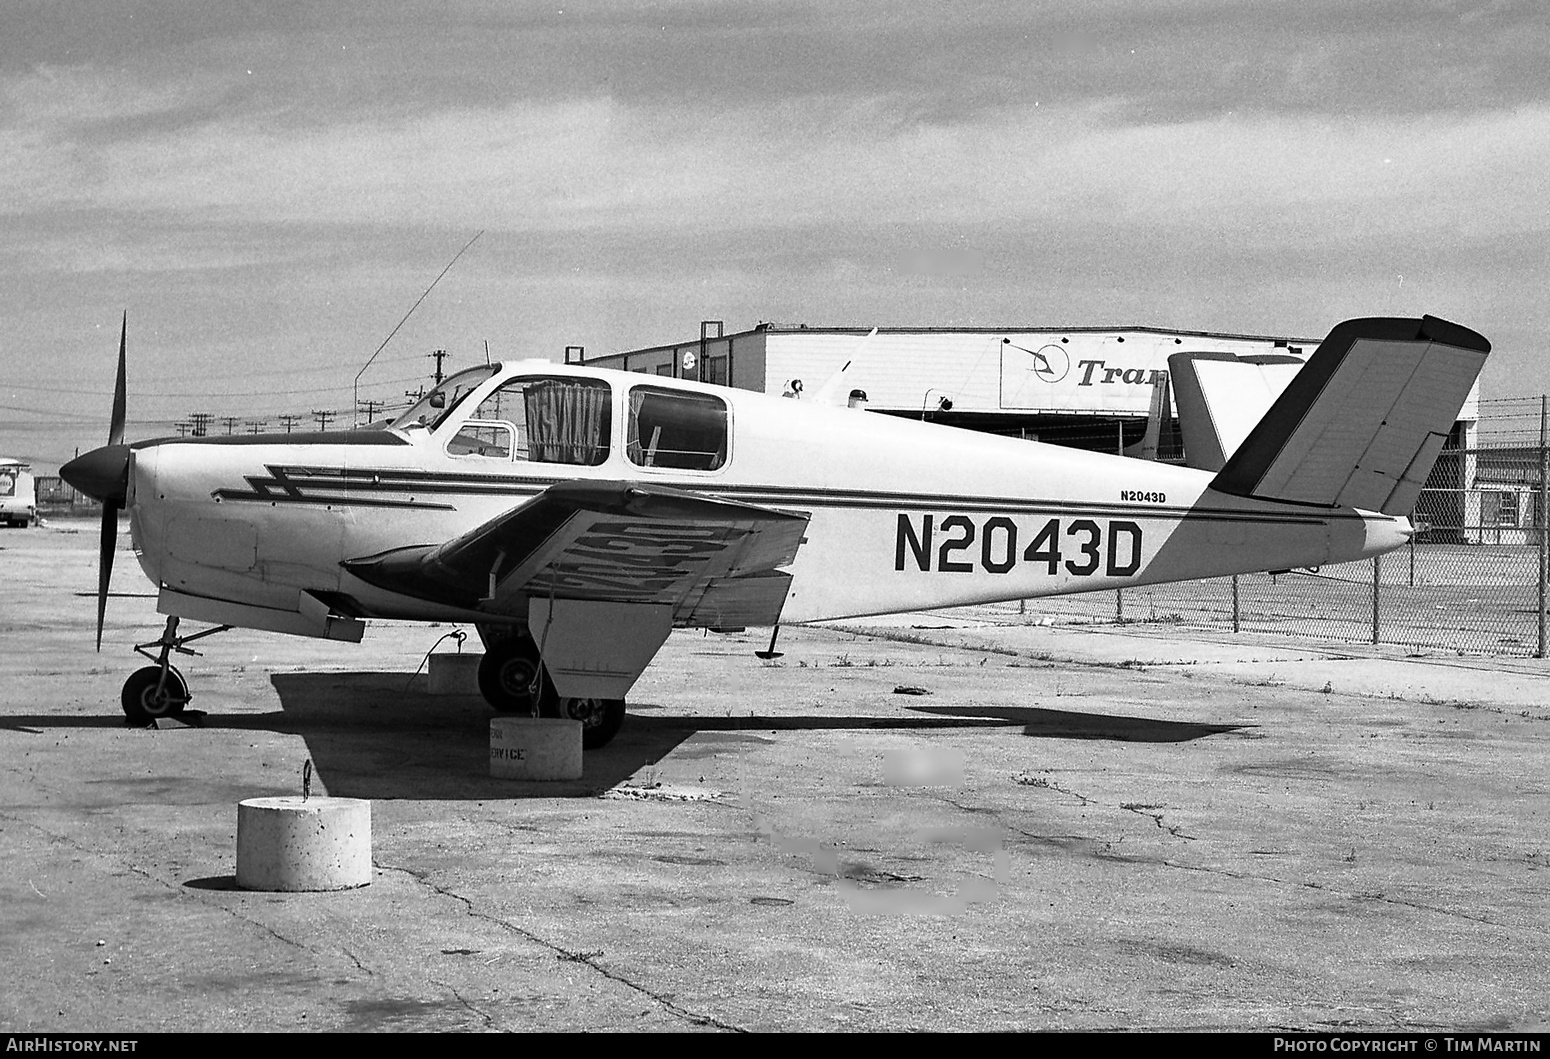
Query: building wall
{"x": 1023, "y": 371}
{"x": 735, "y": 360}
{"x": 1090, "y": 387}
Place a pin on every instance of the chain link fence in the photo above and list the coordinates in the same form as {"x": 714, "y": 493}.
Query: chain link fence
{"x": 1470, "y": 582}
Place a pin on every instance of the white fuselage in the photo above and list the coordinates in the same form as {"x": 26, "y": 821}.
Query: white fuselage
{"x": 903, "y": 514}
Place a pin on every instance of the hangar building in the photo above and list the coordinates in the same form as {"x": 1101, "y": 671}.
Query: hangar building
{"x": 1088, "y": 387}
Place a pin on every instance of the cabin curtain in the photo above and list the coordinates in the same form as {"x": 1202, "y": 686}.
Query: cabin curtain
{"x": 635, "y": 447}
{"x": 567, "y": 422}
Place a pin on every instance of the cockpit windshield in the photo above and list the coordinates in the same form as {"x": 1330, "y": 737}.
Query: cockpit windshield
{"x": 432, "y": 410}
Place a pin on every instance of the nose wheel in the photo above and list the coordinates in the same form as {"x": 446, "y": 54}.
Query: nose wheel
{"x": 159, "y": 690}
{"x": 154, "y": 692}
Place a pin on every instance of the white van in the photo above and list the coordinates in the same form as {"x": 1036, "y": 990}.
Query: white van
{"x": 18, "y": 494}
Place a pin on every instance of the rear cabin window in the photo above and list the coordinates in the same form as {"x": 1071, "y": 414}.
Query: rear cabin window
{"x": 677, "y": 430}
{"x": 540, "y": 420}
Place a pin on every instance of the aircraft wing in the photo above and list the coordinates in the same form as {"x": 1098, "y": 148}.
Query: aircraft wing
{"x": 714, "y": 561}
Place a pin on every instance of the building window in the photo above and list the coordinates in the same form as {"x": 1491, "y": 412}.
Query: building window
{"x": 672, "y": 429}
{"x": 1507, "y": 509}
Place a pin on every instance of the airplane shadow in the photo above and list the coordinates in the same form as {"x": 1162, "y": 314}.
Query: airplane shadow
{"x": 1069, "y": 724}
{"x": 381, "y": 735}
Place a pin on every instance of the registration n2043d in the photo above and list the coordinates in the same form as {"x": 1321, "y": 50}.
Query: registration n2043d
{"x": 961, "y": 544}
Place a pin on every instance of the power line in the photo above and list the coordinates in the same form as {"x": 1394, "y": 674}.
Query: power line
{"x": 204, "y": 392}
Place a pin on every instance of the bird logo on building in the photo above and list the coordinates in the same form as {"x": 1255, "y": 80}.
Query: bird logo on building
{"x": 1050, "y": 362}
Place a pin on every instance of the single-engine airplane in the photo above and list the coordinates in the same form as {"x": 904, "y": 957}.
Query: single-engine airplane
{"x": 576, "y": 516}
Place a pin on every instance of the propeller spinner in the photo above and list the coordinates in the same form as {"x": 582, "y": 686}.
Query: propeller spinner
{"x": 103, "y": 474}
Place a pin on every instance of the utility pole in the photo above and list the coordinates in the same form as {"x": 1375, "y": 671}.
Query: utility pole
{"x": 440, "y": 355}
{"x": 289, "y": 421}
{"x": 1544, "y": 496}
{"x": 201, "y": 421}
{"x": 371, "y": 407}
{"x": 256, "y": 426}
{"x": 183, "y": 429}
{"x": 231, "y": 423}
{"x": 323, "y": 417}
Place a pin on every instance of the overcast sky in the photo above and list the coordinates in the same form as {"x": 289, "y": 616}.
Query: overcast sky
{"x": 267, "y": 187}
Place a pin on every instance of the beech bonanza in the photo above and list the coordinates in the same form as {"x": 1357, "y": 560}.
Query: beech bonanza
{"x": 576, "y": 516}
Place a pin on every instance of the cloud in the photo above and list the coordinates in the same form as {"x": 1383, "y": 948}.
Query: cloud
{"x": 593, "y": 163}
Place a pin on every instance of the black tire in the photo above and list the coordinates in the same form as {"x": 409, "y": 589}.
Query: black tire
{"x": 506, "y": 678}
{"x": 600, "y": 719}
{"x": 141, "y": 702}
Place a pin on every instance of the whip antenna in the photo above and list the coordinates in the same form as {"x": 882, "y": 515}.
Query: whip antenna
{"x": 407, "y": 315}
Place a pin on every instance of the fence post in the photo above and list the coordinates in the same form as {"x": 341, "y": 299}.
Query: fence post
{"x": 1544, "y": 554}
{"x": 1235, "y": 625}
{"x": 1119, "y": 606}
{"x": 1375, "y": 581}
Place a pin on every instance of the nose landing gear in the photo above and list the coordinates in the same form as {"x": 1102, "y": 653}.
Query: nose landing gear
{"x": 159, "y": 690}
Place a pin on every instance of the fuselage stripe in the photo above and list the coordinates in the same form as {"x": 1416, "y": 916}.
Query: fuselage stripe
{"x": 346, "y": 486}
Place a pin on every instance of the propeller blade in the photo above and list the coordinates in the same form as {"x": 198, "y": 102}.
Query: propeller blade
{"x": 116, "y": 425}
{"x": 105, "y": 563}
{"x": 104, "y": 475}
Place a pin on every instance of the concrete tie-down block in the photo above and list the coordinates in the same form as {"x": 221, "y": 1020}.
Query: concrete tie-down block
{"x": 535, "y": 748}
{"x": 300, "y": 844}
{"x": 454, "y": 674}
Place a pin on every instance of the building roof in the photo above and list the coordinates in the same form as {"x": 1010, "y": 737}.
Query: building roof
{"x": 770, "y": 327}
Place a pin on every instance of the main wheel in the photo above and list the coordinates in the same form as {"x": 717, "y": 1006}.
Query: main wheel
{"x": 600, "y": 719}
{"x": 142, "y": 702}
{"x": 508, "y": 673}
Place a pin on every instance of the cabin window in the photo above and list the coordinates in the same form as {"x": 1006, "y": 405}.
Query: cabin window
{"x": 677, "y": 430}
{"x": 433, "y": 409}
{"x": 493, "y": 440}
{"x": 542, "y": 420}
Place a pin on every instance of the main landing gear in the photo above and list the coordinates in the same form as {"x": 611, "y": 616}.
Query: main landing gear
{"x": 512, "y": 680}
{"x": 159, "y": 690}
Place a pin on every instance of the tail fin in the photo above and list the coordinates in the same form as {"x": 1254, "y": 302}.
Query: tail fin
{"x": 1362, "y": 423}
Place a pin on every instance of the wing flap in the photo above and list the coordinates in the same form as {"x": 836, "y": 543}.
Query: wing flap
{"x": 604, "y": 541}
{"x": 730, "y": 603}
